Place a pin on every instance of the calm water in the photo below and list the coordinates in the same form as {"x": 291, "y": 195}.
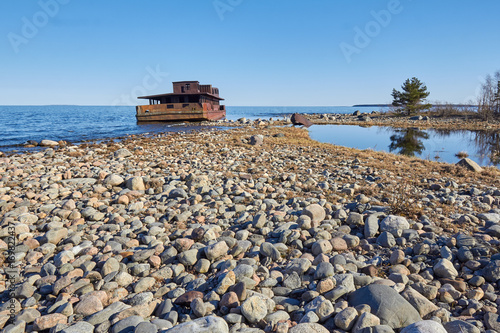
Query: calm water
{"x": 19, "y": 124}
{"x": 432, "y": 144}
{"x": 75, "y": 124}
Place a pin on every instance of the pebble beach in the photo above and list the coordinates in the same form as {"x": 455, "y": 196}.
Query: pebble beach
{"x": 253, "y": 229}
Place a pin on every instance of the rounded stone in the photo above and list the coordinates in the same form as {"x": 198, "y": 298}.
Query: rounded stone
{"x": 254, "y": 309}
{"x": 315, "y": 212}
{"x": 445, "y": 269}
{"x": 346, "y": 318}
{"x": 425, "y": 326}
{"x": 308, "y": 328}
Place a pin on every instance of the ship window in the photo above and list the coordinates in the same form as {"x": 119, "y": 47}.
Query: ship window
{"x": 188, "y": 86}
{"x": 170, "y": 106}
{"x": 182, "y": 89}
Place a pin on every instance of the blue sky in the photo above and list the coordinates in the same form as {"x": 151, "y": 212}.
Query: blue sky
{"x": 270, "y": 53}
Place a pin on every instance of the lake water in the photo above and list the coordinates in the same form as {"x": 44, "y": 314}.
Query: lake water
{"x": 19, "y": 124}
{"x": 431, "y": 144}
{"x": 75, "y": 124}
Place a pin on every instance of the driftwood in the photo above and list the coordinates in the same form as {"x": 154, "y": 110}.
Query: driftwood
{"x": 298, "y": 119}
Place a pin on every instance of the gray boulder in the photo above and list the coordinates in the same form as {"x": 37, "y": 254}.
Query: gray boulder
{"x": 394, "y": 224}
{"x": 308, "y": 328}
{"x": 392, "y": 309}
{"x": 425, "y": 326}
{"x": 460, "y": 326}
{"x": 209, "y": 324}
{"x": 470, "y": 165}
{"x": 492, "y": 271}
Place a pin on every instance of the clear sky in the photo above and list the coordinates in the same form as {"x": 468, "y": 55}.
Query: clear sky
{"x": 269, "y": 53}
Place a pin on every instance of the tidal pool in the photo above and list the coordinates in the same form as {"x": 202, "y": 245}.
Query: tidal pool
{"x": 432, "y": 144}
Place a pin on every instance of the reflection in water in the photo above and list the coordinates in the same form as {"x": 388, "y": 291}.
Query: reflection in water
{"x": 487, "y": 143}
{"x": 407, "y": 141}
{"x": 482, "y": 146}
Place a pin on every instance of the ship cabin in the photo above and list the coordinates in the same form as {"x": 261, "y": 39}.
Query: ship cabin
{"x": 190, "y": 101}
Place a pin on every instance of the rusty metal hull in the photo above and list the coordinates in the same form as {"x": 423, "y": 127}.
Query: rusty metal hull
{"x": 181, "y": 112}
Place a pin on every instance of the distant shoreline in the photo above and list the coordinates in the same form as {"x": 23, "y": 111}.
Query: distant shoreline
{"x": 389, "y": 105}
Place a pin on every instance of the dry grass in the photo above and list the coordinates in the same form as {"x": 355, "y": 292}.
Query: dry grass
{"x": 404, "y": 200}
{"x": 462, "y": 154}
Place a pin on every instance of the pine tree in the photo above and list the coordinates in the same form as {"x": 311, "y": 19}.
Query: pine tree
{"x": 412, "y": 96}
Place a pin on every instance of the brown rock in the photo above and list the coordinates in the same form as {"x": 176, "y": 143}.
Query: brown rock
{"x": 397, "y": 257}
{"x": 88, "y": 305}
{"x": 240, "y": 291}
{"x": 400, "y": 269}
{"x": 49, "y": 321}
{"x": 61, "y": 283}
{"x": 338, "y": 244}
{"x": 183, "y": 244}
{"x": 370, "y": 270}
{"x": 123, "y": 200}
{"x": 325, "y": 286}
{"x": 457, "y": 284}
{"x": 186, "y": 298}
{"x": 229, "y": 300}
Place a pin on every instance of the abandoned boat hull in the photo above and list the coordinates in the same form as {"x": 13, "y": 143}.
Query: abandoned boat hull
{"x": 181, "y": 112}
